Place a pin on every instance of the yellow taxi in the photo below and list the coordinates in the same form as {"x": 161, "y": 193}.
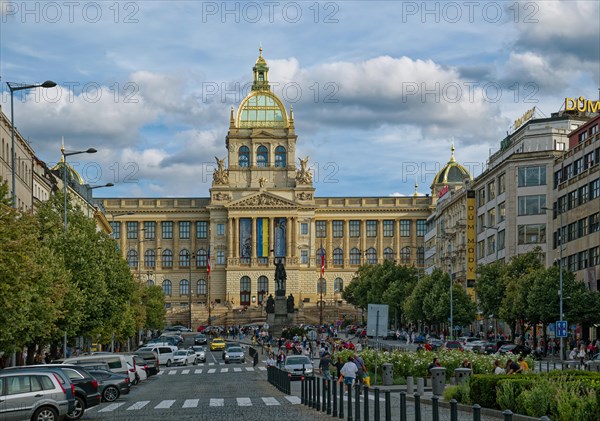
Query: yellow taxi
{"x": 217, "y": 344}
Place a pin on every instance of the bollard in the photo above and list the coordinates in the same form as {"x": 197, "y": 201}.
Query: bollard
{"x": 366, "y": 404}
{"x": 388, "y": 406}
{"x": 387, "y": 373}
{"x": 334, "y": 396}
{"x": 324, "y": 395}
{"x": 318, "y": 393}
{"x": 357, "y": 402}
{"x": 376, "y": 406}
{"x": 420, "y": 386}
{"x": 435, "y": 410}
{"x": 453, "y": 410}
{"x": 350, "y": 403}
{"x": 341, "y": 411}
{"x": 508, "y": 415}
{"x": 329, "y": 396}
{"x": 302, "y": 402}
{"x": 315, "y": 394}
{"x": 477, "y": 412}
{"x": 402, "y": 406}
{"x": 410, "y": 385}
{"x": 417, "y": 407}
{"x": 438, "y": 380}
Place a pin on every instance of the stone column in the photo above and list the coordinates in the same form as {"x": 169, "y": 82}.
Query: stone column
{"x": 379, "y": 240}
{"x": 363, "y": 240}
{"x": 230, "y": 232}
{"x": 346, "y": 243}
{"x": 397, "y": 238}
{"x": 236, "y": 232}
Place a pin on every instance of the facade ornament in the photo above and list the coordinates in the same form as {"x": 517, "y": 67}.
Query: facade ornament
{"x": 221, "y": 196}
{"x": 264, "y": 200}
{"x": 303, "y": 175}
{"x": 220, "y": 175}
{"x": 304, "y": 196}
{"x": 261, "y": 182}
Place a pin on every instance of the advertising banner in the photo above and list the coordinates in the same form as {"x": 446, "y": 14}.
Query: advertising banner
{"x": 280, "y": 234}
{"x": 245, "y": 237}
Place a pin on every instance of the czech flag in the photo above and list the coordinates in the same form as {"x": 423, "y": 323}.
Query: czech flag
{"x": 322, "y": 261}
{"x": 208, "y": 261}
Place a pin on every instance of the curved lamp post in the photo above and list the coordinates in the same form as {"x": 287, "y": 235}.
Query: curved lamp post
{"x": 13, "y": 87}
{"x": 65, "y": 154}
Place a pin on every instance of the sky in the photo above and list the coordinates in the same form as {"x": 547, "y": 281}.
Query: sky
{"x": 380, "y": 89}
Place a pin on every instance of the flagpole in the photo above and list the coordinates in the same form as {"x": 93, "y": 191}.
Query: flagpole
{"x": 208, "y": 282}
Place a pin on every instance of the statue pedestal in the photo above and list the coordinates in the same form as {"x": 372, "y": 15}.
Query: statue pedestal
{"x": 280, "y": 318}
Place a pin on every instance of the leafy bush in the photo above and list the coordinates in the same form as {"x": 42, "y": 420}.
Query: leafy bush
{"x": 460, "y": 393}
{"x": 575, "y": 401}
{"x": 538, "y": 400}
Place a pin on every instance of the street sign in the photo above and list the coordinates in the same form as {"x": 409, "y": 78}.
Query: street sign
{"x": 377, "y": 320}
{"x": 312, "y": 335}
{"x": 561, "y": 329}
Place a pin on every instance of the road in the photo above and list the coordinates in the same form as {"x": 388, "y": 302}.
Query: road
{"x": 208, "y": 391}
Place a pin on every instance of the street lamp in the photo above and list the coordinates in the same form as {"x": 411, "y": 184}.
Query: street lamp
{"x": 560, "y": 268}
{"x": 321, "y": 287}
{"x": 13, "y": 86}
{"x": 99, "y": 187}
{"x": 65, "y": 181}
{"x": 451, "y": 303}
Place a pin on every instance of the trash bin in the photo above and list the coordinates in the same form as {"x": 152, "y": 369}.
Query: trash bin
{"x": 462, "y": 375}
{"x": 388, "y": 374}
{"x": 438, "y": 380}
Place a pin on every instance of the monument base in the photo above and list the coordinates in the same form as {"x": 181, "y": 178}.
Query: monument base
{"x": 280, "y": 318}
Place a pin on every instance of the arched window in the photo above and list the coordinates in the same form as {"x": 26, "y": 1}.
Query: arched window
{"x": 184, "y": 287}
{"x": 149, "y": 258}
{"x": 184, "y": 258}
{"x": 201, "y": 259}
{"x": 405, "y": 256}
{"x": 371, "y": 256}
{"x": 388, "y": 254}
{"x": 322, "y": 286}
{"x": 245, "y": 291}
{"x": 338, "y": 285}
{"x": 167, "y": 258}
{"x": 167, "y": 287}
{"x": 280, "y": 156}
{"x": 201, "y": 287}
{"x": 262, "y": 156}
{"x": 150, "y": 283}
{"x": 338, "y": 256}
{"x": 355, "y": 256}
{"x": 263, "y": 288}
{"x": 132, "y": 258}
{"x": 244, "y": 156}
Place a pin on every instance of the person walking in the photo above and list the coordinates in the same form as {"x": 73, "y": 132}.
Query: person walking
{"x": 324, "y": 364}
{"x": 349, "y": 371}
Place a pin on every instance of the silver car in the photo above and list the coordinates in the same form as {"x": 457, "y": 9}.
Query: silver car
{"x": 234, "y": 353}
{"x": 298, "y": 366}
{"x": 32, "y": 395}
{"x": 200, "y": 353}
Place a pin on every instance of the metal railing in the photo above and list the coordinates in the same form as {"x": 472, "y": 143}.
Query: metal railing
{"x": 279, "y": 378}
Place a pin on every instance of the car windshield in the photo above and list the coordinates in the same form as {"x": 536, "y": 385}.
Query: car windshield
{"x": 297, "y": 361}
{"x": 234, "y": 349}
{"x": 198, "y": 348}
{"x": 180, "y": 353}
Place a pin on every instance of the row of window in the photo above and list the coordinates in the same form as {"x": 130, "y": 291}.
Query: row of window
{"x": 578, "y": 196}
{"x": 493, "y": 189}
{"x": 489, "y": 219}
{"x": 262, "y": 156}
{"x": 184, "y": 287}
{"x": 149, "y": 229}
{"x": 577, "y": 167}
{"x": 185, "y": 257}
{"x": 578, "y": 229}
{"x": 371, "y": 256}
{"x": 526, "y": 177}
{"x": 354, "y": 231}
{"x": 583, "y": 260}
{"x": 494, "y": 243}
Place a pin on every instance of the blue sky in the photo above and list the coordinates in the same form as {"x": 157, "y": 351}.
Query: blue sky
{"x": 379, "y": 88}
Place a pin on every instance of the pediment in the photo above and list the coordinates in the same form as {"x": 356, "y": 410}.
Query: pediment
{"x": 262, "y": 200}
{"x": 264, "y": 133}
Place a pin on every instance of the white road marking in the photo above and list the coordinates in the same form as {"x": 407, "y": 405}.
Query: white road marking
{"x": 270, "y": 401}
{"x": 217, "y": 402}
{"x": 294, "y": 400}
{"x": 224, "y": 370}
{"x": 237, "y": 369}
{"x": 167, "y": 403}
{"x": 191, "y": 403}
{"x": 249, "y": 368}
{"x": 171, "y": 372}
{"x": 112, "y": 407}
{"x": 244, "y": 402}
{"x": 212, "y": 370}
{"x": 211, "y": 363}
{"x": 262, "y": 368}
{"x": 160, "y": 373}
{"x": 185, "y": 372}
{"x": 138, "y": 405}
{"x": 198, "y": 371}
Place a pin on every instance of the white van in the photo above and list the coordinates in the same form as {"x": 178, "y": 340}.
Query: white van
{"x": 117, "y": 363}
{"x": 165, "y": 353}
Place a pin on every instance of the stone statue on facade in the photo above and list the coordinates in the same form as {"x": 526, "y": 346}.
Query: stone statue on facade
{"x": 280, "y": 278}
{"x": 303, "y": 175}
{"x": 270, "y": 308}
{"x": 290, "y": 304}
{"x": 220, "y": 175}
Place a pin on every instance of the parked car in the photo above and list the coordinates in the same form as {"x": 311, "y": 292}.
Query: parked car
{"x": 111, "y": 385}
{"x": 151, "y": 359}
{"x": 177, "y": 328}
{"x": 493, "y": 347}
{"x": 454, "y": 345}
{"x": 298, "y": 366}
{"x": 515, "y": 349}
{"x": 165, "y": 353}
{"x": 475, "y": 346}
{"x": 85, "y": 386}
{"x": 116, "y": 362}
{"x": 165, "y": 339}
{"x": 217, "y": 344}
{"x": 234, "y": 353}
{"x": 138, "y": 367}
{"x": 184, "y": 357}
{"x": 200, "y": 352}
{"x": 436, "y": 344}
{"x": 36, "y": 395}
{"x": 200, "y": 339}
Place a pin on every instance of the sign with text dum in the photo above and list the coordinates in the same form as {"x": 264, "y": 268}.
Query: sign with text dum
{"x": 377, "y": 320}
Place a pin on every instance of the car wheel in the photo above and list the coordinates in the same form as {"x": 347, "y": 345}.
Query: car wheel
{"x": 185, "y": 362}
{"x": 111, "y": 394}
{"x": 78, "y": 411}
{"x": 45, "y": 413}
{"x": 168, "y": 363}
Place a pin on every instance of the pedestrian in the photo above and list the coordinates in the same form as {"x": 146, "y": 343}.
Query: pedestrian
{"x": 360, "y": 365}
{"x": 512, "y": 367}
{"x": 280, "y": 359}
{"x": 466, "y": 364}
{"x": 524, "y": 367}
{"x": 324, "y": 365}
{"x": 270, "y": 360}
{"x": 581, "y": 354}
{"x": 498, "y": 369}
{"x": 349, "y": 372}
{"x": 338, "y": 366}
{"x": 433, "y": 364}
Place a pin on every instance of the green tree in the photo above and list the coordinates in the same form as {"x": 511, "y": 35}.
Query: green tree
{"x": 154, "y": 303}
{"x": 490, "y": 288}
{"x": 5, "y": 199}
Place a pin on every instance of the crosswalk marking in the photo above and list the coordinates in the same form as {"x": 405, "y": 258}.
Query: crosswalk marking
{"x": 138, "y": 405}
{"x": 173, "y": 372}
{"x": 270, "y": 401}
{"x": 211, "y": 363}
{"x": 211, "y": 371}
{"x": 112, "y": 407}
{"x": 160, "y": 373}
{"x": 294, "y": 400}
{"x": 217, "y": 402}
{"x": 262, "y": 368}
{"x": 244, "y": 402}
{"x": 237, "y": 369}
{"x": 167, "y": 403}
{"x": 224, "y": 370}
{"x": 198, "y": 371}
{"x": 191, "y": 403}
{"x": 185, "y": 372}
{"x": 249, "y": 368}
